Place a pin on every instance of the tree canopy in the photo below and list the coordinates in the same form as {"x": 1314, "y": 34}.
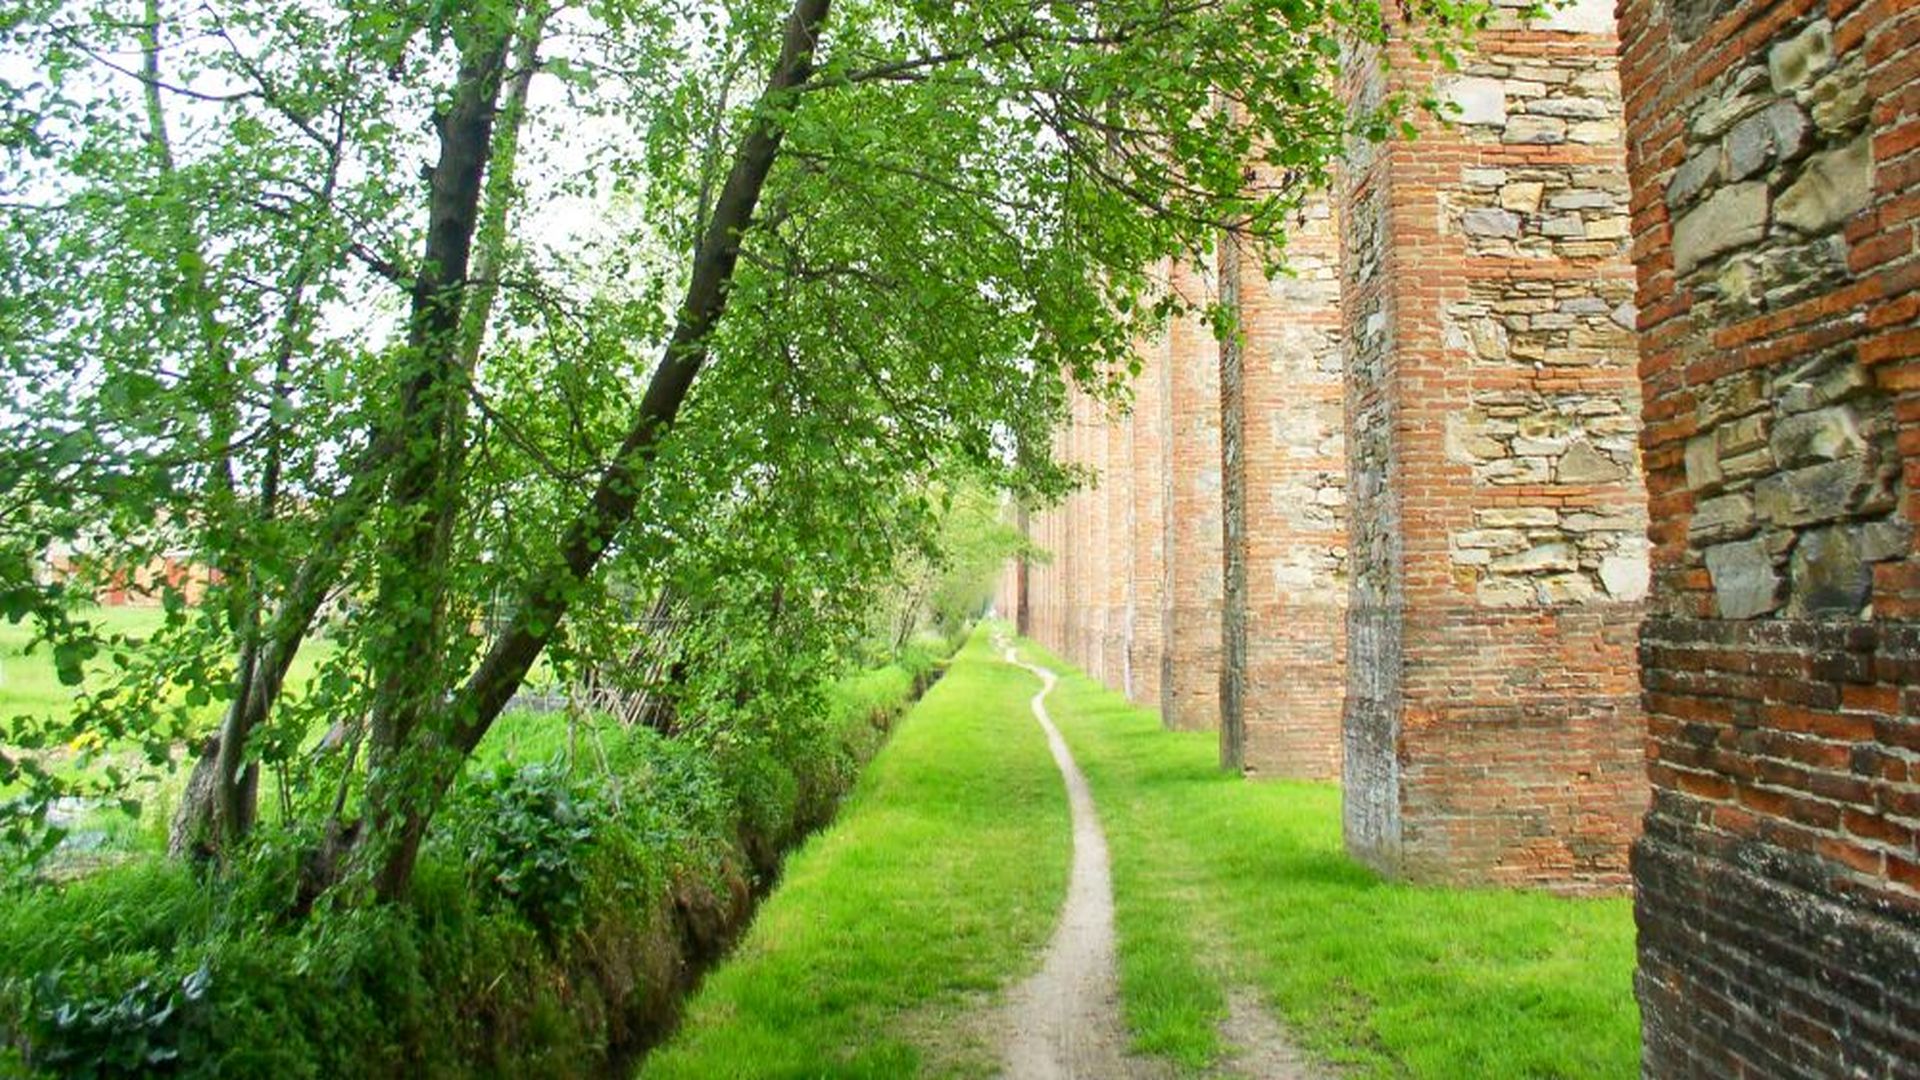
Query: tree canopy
{"x": 467, "y": 333}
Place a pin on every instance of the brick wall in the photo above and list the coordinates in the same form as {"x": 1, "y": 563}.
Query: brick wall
{"x": 1775, "y": 154}
{"x": 1498, "y": 555}
{"x": 1284, "y": 431}
{"x": 1190, "y": 631}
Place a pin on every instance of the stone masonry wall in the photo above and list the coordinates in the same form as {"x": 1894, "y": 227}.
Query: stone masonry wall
{"x": 1493, "y": 730}
{"x": 1776, "y": 196}
{"x": 1291, "y": 451}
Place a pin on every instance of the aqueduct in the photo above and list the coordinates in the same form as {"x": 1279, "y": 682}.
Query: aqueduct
{"x": 1562, "y": 504}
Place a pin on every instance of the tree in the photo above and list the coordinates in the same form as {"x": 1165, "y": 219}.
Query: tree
{"x": 848, "y": 246}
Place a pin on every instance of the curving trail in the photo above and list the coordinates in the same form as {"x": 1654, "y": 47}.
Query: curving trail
{"x": 1065, "y": 1020}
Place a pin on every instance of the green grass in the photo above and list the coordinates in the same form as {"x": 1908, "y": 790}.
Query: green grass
{"x": 1221, "y": 883}
{"x": 937, "y": 886}
{"x": 27, "y": 681}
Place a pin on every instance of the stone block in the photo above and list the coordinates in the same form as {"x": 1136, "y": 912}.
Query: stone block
{"x": 1485, "y": 221}
{"x": 1535, "y": 129}
{"x": 1626, "y": 577}
{"x": 1693, "y": 175}
{"x": 1749, "y": 146}
{"x": 1480, "y": 100}
{"x": 1567, "y": 589}
{"x": 1814, "y": 494}
{"x": 1571, "y": 108}
{"x": 1731, "y": 218}
{"x": 1745, "y": 582}
{"x": 1741, "y": 435}
{"x": 1508, "y": 517}
{"x": 1582, "y": 464}
{"x": 1882, "y": 540}
{"x": 1542, "y": 557}
{"x": 1703, "y": 463}
{"x": 1831, "y": 188}
{"x": 1830, "y": 576}
{"x": 1793, "y": 64}
{"x": 1821, "y": 435}
{"x": 1839, "y": 101}
{"x": 1722, "y": 517}
{"x": 1522, "y": 196}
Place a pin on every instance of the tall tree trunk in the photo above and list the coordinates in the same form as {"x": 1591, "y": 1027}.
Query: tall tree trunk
{"x": 546, "y": 596}
{"x": 410, "y": 603}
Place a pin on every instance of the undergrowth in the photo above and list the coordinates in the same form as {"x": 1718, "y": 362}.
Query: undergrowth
{"x": 581, "y": 876}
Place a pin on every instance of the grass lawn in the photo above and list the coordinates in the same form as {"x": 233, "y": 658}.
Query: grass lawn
{"x": 938, "y": 885}
{"x": 1219, "y": 883}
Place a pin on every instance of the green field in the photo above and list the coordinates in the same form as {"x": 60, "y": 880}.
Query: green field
{"x": 939, "y": 884}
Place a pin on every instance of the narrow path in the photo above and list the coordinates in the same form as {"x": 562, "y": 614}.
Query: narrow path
{"x": 1065, "y": 1021}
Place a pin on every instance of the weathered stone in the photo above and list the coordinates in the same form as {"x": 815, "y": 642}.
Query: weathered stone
{"x": 1543, "y": 447}
{"x": 1832, "y": 188}
{"x": 1736, "y": 395}
{"x": 1517, "y": 517}
{"x": 1626, "y": 577}
{"x": 1793, "y": 64}
{"x": 1583, "y": 199}
{"x": 1814, "y": 494}
{"x": 1567, "y": 589}
{"x": 1840, "y": 100}
{"x": 1731, "y": 218}
{"x": 1554, "y": 556}
{"x": 1703, "y": 463}
{"x": 1522, "y": 196}
{"x": 1752, "y": 463}
{"x": 1788, "y": 126}
{"x": 1594, "y": 132}
{"x": 1822, "y": 435}
{"x": 1693, "y": 174}
{"x": 1535, "y": 129}
{"x": 1626, "y": 316}
{"x": 1830, "y": 578}
{"x": 1582, "y": 464}
{"x": 1480, "y": 100}
{"x": 1726, "y": 516}
{"x": 1749, "y": 146}
{"x": 1580, "y": 17}
{"x": 1573, "y": 108}
{"x": 1564, "y": 225}
{"x": 1505, "y": 592}
{"x": 1492, "y": 539}
{"x": 1485, "y": 221}
{"x": 1745, "y": 583}
{"x": 1890, "y": 539}
{"x": 1741, "y": 435}
{"x": 1608, "y": 228}
{"x": 1591, "y": 522}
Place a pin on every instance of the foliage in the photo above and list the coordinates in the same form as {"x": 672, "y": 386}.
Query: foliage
{"x": 526, "y": 831}
{"x": 563, "y": 958}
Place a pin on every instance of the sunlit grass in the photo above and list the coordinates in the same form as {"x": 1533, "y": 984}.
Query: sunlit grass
{"x": 1219, "y": 882}
{"x": 938, "y": 885}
